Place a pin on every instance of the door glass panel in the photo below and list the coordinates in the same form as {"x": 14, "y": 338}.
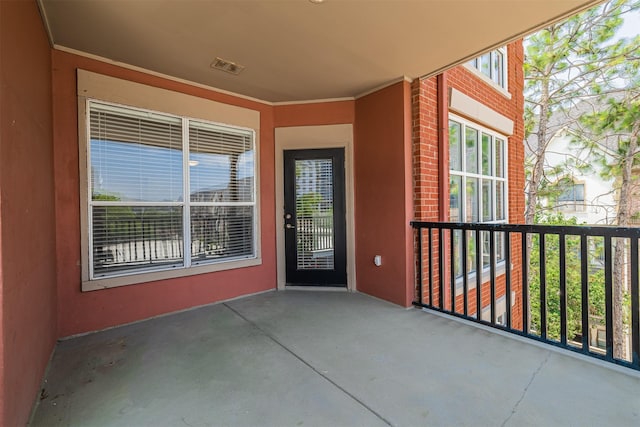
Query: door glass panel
{"x": 314, "y": 214}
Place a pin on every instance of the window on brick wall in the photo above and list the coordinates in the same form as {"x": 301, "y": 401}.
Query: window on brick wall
{"x": 477, "y": 187}
{"x": 166, "y": 192}
{"x": 493, "y": 65}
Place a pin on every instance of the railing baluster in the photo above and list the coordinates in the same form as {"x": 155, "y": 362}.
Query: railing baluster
{"x": 584, "y": 276}
{"x": 635, "y": 305}
{"x": 452, "y": 295}
{"x": 543, "y": 288}
{"x": 608, "y": 295}
{"x": 464, "y": 271}
{"x": 430, "y": 266}
{"x": 441, "y": 266}
{"x": 525, "y": 285}
{"x": 507, "y": 259}
{"x": 478, "y": 277}
{"x": 563, "y": 289}
{"x": 492, "y": 273}
{"x": 420, "y": 261}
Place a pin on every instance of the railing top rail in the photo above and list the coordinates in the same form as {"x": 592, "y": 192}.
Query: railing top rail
{"x": 571, "y": 230}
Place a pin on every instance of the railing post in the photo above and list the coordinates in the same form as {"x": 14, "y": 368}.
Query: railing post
{"x": 635, "y": 309}
{"x": 563, "y": 289}
{"x": 430, "y": 266}
{"x": 543, "y": 287}
{"x": 464, "y": 271}
{"x": 608, "y": 295}
{"x": 507, "y": 256}
{"x": 420, "y": 265}
{"x": 525, "y": 285}
{"x": 478, "y": 277}
{"x": 584, "y": 276}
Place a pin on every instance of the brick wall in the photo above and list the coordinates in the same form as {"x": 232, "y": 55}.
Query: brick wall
{"x": 427, "y": 161}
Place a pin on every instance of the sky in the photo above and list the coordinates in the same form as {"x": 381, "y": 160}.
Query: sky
{"x": 631, "y": 26}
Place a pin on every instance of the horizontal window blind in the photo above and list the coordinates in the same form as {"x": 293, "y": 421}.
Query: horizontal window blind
{"x": 139, "y": 217}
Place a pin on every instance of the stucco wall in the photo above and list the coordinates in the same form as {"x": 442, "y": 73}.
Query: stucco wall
{"x": 28, "y": 292}
{"x": 88, "y": 311}
{"x": 383, "y": 187}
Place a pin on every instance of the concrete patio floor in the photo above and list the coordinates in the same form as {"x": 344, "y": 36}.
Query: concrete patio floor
{"x": 299, "y": 358}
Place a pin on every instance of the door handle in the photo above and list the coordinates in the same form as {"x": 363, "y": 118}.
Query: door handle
{"x": 289, "y": 226}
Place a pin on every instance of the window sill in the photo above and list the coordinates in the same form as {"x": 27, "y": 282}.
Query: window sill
{"x": 502, "y": 91}
{"x": 135, "y": 279}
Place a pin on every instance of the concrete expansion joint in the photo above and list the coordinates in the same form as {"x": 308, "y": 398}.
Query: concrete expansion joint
{"x": 526, "y": 389}
{"x": 308, "y": 364}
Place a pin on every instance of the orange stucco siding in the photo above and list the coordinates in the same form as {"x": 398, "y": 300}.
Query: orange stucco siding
{"x": 384, "y": 204}
{"x": 27, "y": 289}
{"x": 87, "y": 311}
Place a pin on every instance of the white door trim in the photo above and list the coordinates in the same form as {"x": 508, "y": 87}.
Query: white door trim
{"x": 310, "y": 137}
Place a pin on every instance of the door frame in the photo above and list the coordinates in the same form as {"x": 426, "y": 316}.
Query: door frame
{"x": 312, "y": 137}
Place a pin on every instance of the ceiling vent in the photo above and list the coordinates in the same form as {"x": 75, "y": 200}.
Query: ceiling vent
{"x": 227, "y": 66}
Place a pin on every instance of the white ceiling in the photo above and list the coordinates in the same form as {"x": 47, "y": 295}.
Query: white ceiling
{"x": 295, "y": 50}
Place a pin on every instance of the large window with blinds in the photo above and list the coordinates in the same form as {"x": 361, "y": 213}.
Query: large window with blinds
{"x": 166, "y": 192}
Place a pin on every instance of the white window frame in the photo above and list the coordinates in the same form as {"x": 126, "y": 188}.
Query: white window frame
{"x": 474, "y": 66}
{"x": 90, "y": 281}
{"x": 463, "y": 174}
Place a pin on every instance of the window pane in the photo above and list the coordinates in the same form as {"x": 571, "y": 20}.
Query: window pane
{"x": 486, "y": 249}
{"x": 221, "y": 232}
{"x": 455, "y": 185}
{"x": 471, "y": 251}
{"x": 314, "y": 214}
{"x": 134, "y": 156}
{"x": 497, "y": 67}
{"x": 486, "y": 154}
{"x": 487, "y": 201}
{"x": 500, "y": 214}
{"x": 471, "y": 204}
{"x": 471, "y": 142}
{"x": 455, "y": 146}
{"x": 457, "y": 252}
{"x": 220, "y": 164}
{"x": 500, "y": 243}
{"x": 485, "y": 64}
{"x": 579, "y": 192}
{"x": 127, "y": 238}
{"x": 499, "y": 158}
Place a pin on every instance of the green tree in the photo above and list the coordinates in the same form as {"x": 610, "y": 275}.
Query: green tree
{"x": 614, "y": 138}
{"x": 573, "y": 280}
{"x": 565, "y": 64}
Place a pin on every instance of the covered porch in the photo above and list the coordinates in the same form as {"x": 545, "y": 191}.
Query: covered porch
{"x": 296, "y": 358}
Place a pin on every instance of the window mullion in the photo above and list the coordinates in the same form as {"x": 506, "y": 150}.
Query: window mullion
{"x": 186, "y": 208}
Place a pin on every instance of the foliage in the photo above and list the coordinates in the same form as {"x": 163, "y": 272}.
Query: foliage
{"x": 566, "y": 64}
{"x": 573, "y": 279}
{"x": 308, "y": 204}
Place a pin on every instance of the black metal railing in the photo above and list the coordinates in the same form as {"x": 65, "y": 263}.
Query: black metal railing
{"x": 575, "y": 287}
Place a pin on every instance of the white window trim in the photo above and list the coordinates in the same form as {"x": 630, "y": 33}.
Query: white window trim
{"x": 500, "y": 266}
{"x": 503, "y": 90}
{"x": 505, "y": 179}
{"x": 116, "y": 90}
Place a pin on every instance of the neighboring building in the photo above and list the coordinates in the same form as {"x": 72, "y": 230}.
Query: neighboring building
{"x": 584, "y": 195}
{"x": 579, "y": 191}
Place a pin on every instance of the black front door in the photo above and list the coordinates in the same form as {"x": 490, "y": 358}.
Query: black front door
{"x": 314, "y": 217}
